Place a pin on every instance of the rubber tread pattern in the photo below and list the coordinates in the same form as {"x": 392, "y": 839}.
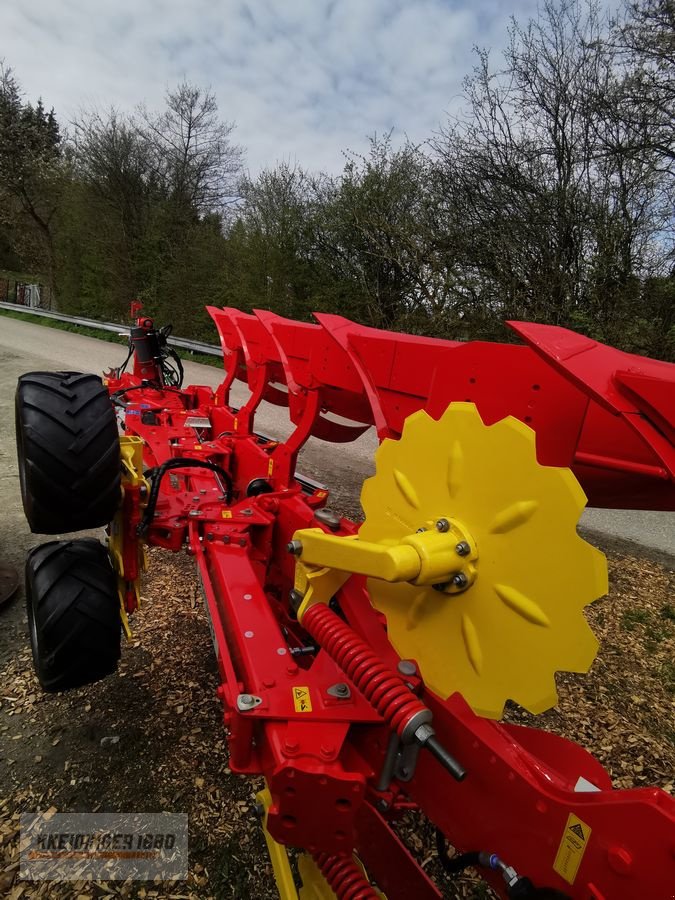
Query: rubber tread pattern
{"x": 73, "y": 613}
{"x": 68, "y": 450}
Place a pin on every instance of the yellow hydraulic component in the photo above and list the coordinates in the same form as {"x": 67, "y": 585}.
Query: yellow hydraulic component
{"x": 473, "y": 556}
{"x": 131, "y": 452}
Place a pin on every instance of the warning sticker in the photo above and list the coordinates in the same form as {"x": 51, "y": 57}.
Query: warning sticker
{"x": 270, "y": 467}
{"x": 301, "y": 699}
{"x": 572, "y": 848}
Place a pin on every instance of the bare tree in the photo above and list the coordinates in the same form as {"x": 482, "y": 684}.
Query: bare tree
{"x": 194, "y": 154}
{"x": 559, "y": 220}
{"x": 646, "y": 35}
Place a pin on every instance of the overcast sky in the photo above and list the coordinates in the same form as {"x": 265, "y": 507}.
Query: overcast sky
{"x": 302, "y": 79}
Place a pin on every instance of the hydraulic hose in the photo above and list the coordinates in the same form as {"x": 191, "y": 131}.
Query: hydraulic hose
{"x": 179, "y": 462}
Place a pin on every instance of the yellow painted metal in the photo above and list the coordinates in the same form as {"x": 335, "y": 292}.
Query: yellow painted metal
{"x": 425, "y": 558}
{"x": 520, "y": 619}
{"x": 316, "y": 584}
{"x": 278, "y": 855}
{"x": 397, "y": 563}
{"x": 131, "y": 453}
{"x": 314, "y": 885}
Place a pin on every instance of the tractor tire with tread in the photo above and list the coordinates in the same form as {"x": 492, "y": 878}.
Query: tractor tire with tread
{"x": 68, "y": 451}
{"x": 73, "y": 613}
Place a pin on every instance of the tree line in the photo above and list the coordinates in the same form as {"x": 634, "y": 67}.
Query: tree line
{"x": 549, "y": 198}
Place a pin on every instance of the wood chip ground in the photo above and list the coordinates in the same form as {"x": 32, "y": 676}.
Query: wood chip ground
{"x": 172, "y": 751}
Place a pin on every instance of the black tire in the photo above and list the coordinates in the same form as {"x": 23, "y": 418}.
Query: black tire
{"x": 68, "y": 451}
{"x": 74, "y": 620}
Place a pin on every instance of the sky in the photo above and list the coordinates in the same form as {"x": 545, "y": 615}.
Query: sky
{"x": 302, "y": 80}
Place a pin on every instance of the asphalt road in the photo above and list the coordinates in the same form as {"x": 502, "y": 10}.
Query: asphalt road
{"x": 25, "y": 347}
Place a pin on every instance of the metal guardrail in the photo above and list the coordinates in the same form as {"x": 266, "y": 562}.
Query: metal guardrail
{"x": 182, "y": 343}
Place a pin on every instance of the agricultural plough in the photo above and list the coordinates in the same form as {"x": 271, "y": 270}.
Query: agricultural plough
{"x": 365, "y": 668}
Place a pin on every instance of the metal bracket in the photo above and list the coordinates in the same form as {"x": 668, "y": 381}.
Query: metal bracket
{"x": 339, "y": 690}
{"x": 197, "y": 422}
{"x": 406, "y": 761}
{"x": 247, "y": 702}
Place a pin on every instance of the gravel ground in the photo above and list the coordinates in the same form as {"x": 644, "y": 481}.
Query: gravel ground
{"x": 172, "y": 752}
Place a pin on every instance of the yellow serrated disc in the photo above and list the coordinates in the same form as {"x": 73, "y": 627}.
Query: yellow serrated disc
{"x": 521, "y": 620}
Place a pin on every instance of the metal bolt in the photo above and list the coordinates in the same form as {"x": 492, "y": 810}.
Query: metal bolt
{"x": 443, "y": 525}
{"x": 462, "y": 549}
{"x": 460, "y": 580}
{"x": 245, "y": 699}
{"x": 420, "y": 530}
{"x": 407, "y": 667}
{"x": 294, "y": 547}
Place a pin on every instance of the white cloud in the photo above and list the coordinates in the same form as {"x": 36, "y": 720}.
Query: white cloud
{"x": 303, "y": 79}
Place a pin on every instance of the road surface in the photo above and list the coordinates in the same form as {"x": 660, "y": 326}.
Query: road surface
{"x": 25, "y": 347}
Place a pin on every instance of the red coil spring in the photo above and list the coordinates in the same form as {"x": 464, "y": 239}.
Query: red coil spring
{"x": 382, "y": 687}
{"x": 345, "y": 877}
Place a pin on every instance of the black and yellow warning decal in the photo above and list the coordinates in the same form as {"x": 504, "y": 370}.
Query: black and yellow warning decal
{"x": 301, "y": 699}
{"x": 572, "y": 848}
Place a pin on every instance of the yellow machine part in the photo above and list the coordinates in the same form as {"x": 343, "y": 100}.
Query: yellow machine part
{"x": 520, "y": 618}
{"x": 131, "y": 453}
{"x": 314, "y": 885}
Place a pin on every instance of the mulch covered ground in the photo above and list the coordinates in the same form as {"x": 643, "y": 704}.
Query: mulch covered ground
{"x": 171, "y": 751}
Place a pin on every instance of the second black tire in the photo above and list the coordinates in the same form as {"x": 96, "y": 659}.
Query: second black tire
{"x": 73, "y": 613}
{"x": 68, "y": 451}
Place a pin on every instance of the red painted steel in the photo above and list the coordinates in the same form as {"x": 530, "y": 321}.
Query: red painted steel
{"x": 607, "y": 414}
